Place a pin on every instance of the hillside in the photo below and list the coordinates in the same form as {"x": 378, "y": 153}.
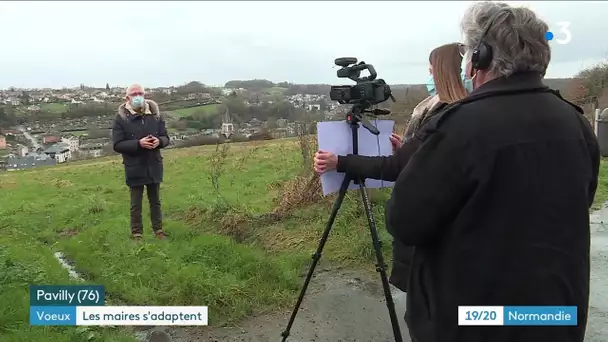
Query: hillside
{"x": 555, "y": 83}
{"x": 243, "y": 225}
{"x": 290, "y": 88}
{"x": 82, "y": 210}
{"x": 560, "y": 84}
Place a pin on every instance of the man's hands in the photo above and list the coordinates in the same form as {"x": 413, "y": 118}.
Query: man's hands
{"x": 150, "y": 142}
{"x": 155, "y": 142}
{"x": 325, "y": 161}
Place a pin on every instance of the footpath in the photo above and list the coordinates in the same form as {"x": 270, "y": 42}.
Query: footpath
{"x": 349, "y": 306}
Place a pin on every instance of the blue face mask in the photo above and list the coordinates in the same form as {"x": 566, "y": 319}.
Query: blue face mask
{"x": 137, "y": 101}
{"x": 430, "y": 86}
{"x": 467, "y": 82}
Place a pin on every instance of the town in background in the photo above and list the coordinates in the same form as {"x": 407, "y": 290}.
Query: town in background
{"x": 45, "y": 127}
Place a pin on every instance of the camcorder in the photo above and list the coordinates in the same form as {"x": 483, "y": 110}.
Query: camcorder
{"x": 368, "y": 90}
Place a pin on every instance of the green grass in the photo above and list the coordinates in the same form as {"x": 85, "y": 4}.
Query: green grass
{"x": 79, "y": 133}
{"x": 57, "y": 108}
{"x": 82, "y": 210}
{"x": 223, "y": 251}
{"x": 27, "y": 262}
{"x": 601, "y": 194}
{"x": 204, "y": 110}
{"x": 276, "y": 90}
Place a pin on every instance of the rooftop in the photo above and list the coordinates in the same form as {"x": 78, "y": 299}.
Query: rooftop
{"x": 29, "y": 161}
{"x": 57, "y": 148}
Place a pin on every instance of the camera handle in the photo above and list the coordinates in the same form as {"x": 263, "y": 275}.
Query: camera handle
{"x": 353, "y": 117}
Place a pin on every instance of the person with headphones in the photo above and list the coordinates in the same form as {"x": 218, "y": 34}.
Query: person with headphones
{"x": 496, "y": 199}
{"x": 445, "y": 86}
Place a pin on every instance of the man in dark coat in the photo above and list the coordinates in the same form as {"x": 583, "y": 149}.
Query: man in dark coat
{"x": 138, "y": 134}
{"x": 496, "y": 200}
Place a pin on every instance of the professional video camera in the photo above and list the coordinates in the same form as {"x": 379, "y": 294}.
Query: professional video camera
{"x": 368, "y": 90}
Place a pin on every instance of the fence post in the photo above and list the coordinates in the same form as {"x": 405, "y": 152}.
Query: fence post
{"x": 596, "y": 120}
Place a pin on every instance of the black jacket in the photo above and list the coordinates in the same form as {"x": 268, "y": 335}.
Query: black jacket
{"x": 142, "y": 166}
{"x": 496, "y": 202}
{"x": 388, "y": 168}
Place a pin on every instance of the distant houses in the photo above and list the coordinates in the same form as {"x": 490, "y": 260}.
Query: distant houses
{"x": 12, "y": 132}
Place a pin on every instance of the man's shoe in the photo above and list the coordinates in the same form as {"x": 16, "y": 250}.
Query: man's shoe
{"x": 160, "y": 235}
{"x": 136, "y": 237}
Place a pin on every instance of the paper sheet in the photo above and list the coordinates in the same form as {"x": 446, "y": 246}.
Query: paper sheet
{"x": 336, "y": 137}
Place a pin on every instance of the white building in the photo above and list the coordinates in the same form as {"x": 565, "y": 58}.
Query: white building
{"x": 94, "y": 150}
{"x": 72, "y": 142}
{"x": 22, "y": 151}
{"x": 60, "y": 152}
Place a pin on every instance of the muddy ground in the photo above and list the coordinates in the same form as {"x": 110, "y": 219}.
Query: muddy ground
{"x": 339, "y": 306}
{"x": 348, "y": 306}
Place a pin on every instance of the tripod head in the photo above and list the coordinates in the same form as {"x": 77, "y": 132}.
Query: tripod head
{"x": 355, "y": 115}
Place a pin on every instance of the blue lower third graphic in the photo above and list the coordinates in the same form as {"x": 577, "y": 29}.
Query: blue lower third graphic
{"x": 52, "y": 315}
{"x": 540, "y": 315}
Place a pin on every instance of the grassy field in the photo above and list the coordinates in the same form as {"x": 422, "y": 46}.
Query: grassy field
{"x": 236, "y": 245}
{"x": 57, "y": 108}
{"x": 208, "y": 109}
{"x": 244, "y": 220}
{"x": 601, "y": 195}
{"x": 275, "y": 90}
{"x": 79, "y": 133}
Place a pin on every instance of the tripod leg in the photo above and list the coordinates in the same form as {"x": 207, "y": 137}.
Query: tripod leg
{"x": 380, "y": 266}
{"x": 317, "y": 255}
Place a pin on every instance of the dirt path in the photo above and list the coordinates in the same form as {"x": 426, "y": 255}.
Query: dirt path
{"x": 339, "y": 306}
{"x": 344, "y": 306}
{"x": 597, "y": 326}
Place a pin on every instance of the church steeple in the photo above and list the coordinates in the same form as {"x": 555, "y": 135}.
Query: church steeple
{"x": 227, "y": 126}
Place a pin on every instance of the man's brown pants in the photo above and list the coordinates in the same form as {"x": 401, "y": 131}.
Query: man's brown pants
{"x": 137, "y": 194}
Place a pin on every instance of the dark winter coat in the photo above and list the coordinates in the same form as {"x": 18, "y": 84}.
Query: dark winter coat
{"x": 496, "y": 202}
{"x": 142, "y": 166}
{"x": 388, "y": 169}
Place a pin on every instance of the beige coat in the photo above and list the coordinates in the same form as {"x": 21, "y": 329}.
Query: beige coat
{"x": 420, "y": 112}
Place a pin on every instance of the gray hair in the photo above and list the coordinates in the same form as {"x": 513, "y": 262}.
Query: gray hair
{"x": 135, "y": 87}
{"x": 517, "y": 37}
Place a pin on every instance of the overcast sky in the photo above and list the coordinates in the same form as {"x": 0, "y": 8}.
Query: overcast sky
{"x": 57, "y": 44}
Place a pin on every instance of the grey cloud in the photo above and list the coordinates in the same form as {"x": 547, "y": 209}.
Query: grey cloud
{"x": 163, "y": 43}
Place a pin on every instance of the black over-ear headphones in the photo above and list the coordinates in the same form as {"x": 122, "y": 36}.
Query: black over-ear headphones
{"x": 482, "y": 53}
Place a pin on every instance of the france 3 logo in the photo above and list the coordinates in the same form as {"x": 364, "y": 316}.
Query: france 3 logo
{"x": 562, "y": 35}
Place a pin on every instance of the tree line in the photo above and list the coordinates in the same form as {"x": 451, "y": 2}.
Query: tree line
{"x": 240, "y": 113}
{"x": 590, "y": 87}
{"x": 290, "y": 88}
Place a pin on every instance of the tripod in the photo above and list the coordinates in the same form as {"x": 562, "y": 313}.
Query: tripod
{"x": 353, "y": 118}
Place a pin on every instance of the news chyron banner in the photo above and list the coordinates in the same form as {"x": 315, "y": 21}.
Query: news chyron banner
{"x": 52, "y": 305}
{"x": 518, "y": 315}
